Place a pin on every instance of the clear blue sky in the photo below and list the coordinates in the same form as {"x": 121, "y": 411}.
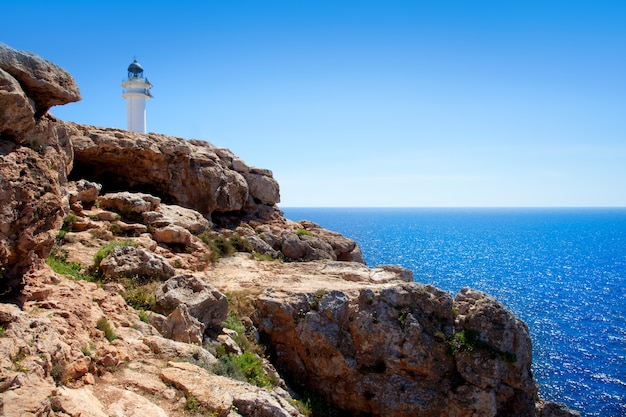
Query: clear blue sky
{"x": 366, "y": 103}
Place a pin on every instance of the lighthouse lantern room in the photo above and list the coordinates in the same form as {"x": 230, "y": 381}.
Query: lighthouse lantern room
{"x": 136, "y": 92}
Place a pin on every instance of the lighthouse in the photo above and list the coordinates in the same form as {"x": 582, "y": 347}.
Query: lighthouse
{"x": 136, "y": 92}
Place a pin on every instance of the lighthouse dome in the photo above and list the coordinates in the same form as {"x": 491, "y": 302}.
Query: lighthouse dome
{"x": 135, "y": 69}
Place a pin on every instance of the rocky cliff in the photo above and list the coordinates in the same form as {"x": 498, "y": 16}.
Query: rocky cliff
{"x": 152, "y": 275}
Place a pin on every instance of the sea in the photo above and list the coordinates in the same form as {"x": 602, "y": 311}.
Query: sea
{"x": 562, "y": 271}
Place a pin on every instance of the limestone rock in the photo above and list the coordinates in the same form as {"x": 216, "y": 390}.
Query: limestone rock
{"x": 180, "y": 326}
{"x": 344, "y": 249}
{"x": 17, "y": 116}
{"x": 293, "y": 247}
{"x": 84, "y": 191}
{"x": 131, "y": 262}
{"x": 129, "y": 404}
{"x": 129, "y": 203}
{"x": 219, "y": 394}
{"x": 372, "y": 351}
{"x": 204, "y": 301}
{"x": 172, "y": 235}
{"x": 385, "y": 350}
{"x": 77, "y": 403}
{"x": 554, "y": 409}
{"x": 31, "y": 209}
{"x": 502, "y": 355}
{"x": 174, "y": 349}
{"x": 44, "y": 82}
{"x": 263, "y": 187}
{"x": 169, "y": 214}
{"x": 187, "y": 173}
{"x": 30, "y": 400}
{"x": 262, "y": 247}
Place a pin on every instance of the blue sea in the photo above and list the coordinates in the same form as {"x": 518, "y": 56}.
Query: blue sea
{"x": 563, "y": 271}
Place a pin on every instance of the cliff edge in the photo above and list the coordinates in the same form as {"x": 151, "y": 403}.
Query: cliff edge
{"x": 152, "y": 275}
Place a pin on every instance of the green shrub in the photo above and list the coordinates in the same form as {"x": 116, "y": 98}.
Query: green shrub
{"x": 303, "y": 232}
{"x": 61, "y": 266}
{"x": 68, "y": 222}
{"x": 245, "y": 367}
{"x": 144, "y": 316}
{"x": 241, "y": 244}
{"x": 140, "y": 297}
{"x": 468, "y": 340}
{"x": 104, "y": 326}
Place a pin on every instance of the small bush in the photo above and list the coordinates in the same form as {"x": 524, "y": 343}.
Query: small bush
{"x": 3, "y": 332}
{"x": 61, "y": 266}
{"x": 245, "y": 367}
{"x": 241, "y": 244}
{"x": 303, "y": 232}
{"x": 140, "y": 297}
{"x": 103, "y": 325}
{"x": 68, "y": 222}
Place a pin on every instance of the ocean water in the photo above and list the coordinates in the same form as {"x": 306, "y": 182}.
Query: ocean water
{"x": 562, "y": 271}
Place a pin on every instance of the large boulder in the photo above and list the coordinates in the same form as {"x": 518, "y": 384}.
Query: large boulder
{"x": 128, "y": 203}
{"x": 170, "y": 214}
{"x": 17, "y": 116}
{"x": 45, "y": 83}
{"x": 221, "y": 395}
{"x": 180, "y": 326}
{"x": 386, "y": 350}
{"x": 203, "y": 301}
{"x": 135, "y": 262}
{"x": 495, "y": 353}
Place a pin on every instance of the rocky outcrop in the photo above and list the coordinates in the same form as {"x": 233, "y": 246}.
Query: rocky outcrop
{"x": 192, "y": 174}
{"x": 43, "y": 82}
{"x": 31, "y": 210}
{"x": 203, "y": 301}
{"x": 402, "y": 350}
{"x": 31, "y": 178}
{"x": 136, "y": 263}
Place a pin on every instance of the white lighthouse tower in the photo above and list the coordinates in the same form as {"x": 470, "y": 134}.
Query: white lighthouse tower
{"x": 136, "y": 92}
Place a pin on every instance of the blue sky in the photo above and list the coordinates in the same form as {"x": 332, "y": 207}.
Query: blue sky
{"x": 366, "y": 103}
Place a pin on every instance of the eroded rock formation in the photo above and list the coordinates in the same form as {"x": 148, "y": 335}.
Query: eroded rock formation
{"x": 402, "y": 350}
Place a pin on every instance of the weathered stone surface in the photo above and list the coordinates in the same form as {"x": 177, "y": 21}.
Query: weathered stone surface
{"x": 204, "y": 301}
{"x": 172, "y": 235}
{"x": 127, "y": 203}
{"x": 17, "y": 116}
{"x": 169, "y": 214}
{"x": 84, "y": 191}
{"x": 77, "y": 403}
{"x": 263, "y": 247}
{"x": 182, "y": 327}
{"x": 44, "y": 82}
{"x": 293, "y": 247}
{"x": 263, "y": 187}
{"x": 503, "y": 355}
{"x": 31, "y": 209}
{"x": 134, "y": 262}
{"x": 554, "y": 409}
{"x": 385, "y": 351}
{"x": 219, "y": 394}
{"x": 186, "y": 173}
{"x": 174, "y": 349}
{"x": 129, "y": 404}
{"x": 357, "y": 272}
